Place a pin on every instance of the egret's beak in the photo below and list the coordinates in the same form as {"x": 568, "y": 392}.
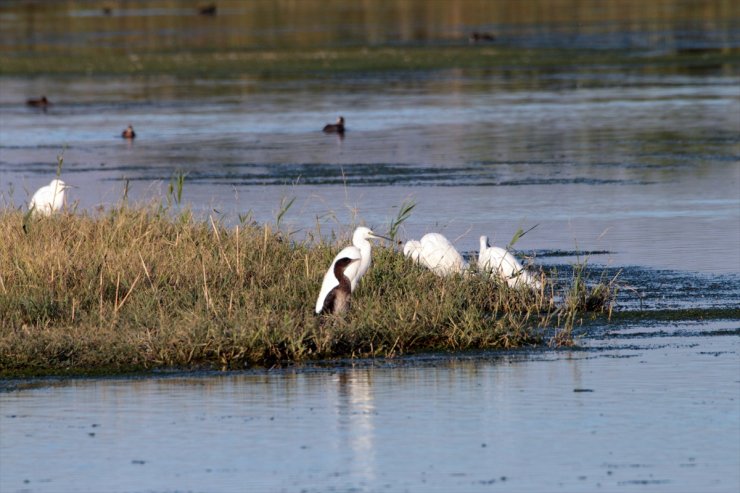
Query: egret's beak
{"x": 379, "y": 237}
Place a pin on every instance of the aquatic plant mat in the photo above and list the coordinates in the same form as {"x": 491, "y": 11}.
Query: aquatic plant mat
{"x": 140, "y": 288}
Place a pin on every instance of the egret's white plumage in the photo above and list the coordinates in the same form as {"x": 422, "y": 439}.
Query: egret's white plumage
{"x": 435, "y": 252}
{"x": 412, "y": 249}
{"x": 502, "y": 263}
{"x": 361, "y": 248}
{"x": 48, "y": 199}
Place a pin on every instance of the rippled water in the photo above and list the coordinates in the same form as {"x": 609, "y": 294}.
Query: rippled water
{"x": 635, "y": 168}
{"x": 635, "y": 413}
{"x": 649, "y": 174}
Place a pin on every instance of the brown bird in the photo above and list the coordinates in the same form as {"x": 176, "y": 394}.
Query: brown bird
{"x": 335, "y": 128}
{"x": 209, "y": 9}
{"x": 39, "y": 103}
{"x": 128, "y": 133}
{"x": 338, "y": 299}
{"x": 476, "y": 37}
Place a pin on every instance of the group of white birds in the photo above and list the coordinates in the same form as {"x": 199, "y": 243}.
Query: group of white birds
{"x": 432, "y": 251}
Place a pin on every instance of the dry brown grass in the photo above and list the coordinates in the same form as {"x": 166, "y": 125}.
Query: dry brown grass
{"x": 136, "y": 288}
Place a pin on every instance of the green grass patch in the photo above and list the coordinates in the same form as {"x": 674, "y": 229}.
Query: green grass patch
{"x": 140, "y": 288}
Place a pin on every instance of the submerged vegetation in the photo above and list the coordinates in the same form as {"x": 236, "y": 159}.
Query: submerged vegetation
{"x": 138, "y": 288}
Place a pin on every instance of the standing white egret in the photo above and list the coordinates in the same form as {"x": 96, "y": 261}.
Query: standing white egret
{"x": 48, "y": 199}
{"x": 435, "y": 252}
{"x": 361, "y": 248}
{"x": 337, "y": 300}
{"x": 502, "y": 263}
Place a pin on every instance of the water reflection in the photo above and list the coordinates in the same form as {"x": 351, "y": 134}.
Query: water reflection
{"x": 356, "y": 414}
{"x": 435, "y": 423}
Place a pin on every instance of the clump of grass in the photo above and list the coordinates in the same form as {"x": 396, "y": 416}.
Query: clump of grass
{"x": 136, "y": 288}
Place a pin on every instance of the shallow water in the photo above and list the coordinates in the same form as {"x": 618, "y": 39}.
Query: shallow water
{"x": 633, "y": 167}
{"x": 647, "y": 414}
{"x": 641, "y": 161}
{"x": 649, "y": 174}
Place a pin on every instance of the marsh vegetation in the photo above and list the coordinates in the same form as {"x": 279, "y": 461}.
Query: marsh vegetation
{"x": 140, "y": 287}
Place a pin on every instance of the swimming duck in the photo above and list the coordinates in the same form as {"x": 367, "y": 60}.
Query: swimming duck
{"x": 335, "y": 128}
{"x": 128, "y": 133}
{"x": 39, "y": 103}
{"x": 209, "y": 9}
{"x": 477, "y": 37}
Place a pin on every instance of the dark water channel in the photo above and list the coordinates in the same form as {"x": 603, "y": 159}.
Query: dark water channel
{"x": 633, "y": 166}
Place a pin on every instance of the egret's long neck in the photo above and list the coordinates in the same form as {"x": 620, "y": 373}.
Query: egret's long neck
{"x": 365, "y": 252}
{"x": 483, "y": 245}
{"x": 58, "y": 198}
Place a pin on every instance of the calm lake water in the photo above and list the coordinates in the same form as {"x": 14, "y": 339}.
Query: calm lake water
{"x": 642, "y": 414}
{"x": 635, "y": 167}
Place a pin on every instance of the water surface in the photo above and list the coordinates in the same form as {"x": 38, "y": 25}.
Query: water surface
{"x": 631, "y": 164}
{"x": 646, "y": 414}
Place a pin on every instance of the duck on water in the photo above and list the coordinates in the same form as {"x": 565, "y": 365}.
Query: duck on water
{"x": 41, "y": 102}
{"x": 129, "y": 133}
{"x": 335, "y": 128}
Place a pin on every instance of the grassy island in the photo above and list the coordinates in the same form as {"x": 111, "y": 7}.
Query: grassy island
{"x": 140, "y": 288}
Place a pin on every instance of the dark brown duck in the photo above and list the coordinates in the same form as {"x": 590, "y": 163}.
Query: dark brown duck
{"x": 128, "y": 133}
{"x": 42, "y": 102}
{"x": 335, "y": 128}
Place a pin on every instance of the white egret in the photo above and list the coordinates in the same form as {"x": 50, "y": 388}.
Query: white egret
{"x": 502, "y": 263}
{"x": 435, "y": 252}
{"x": 48, "y": 199}
{"x": 360, "y": 248}
{"x": 412, "y": 250}
{"x": 337, "y": 300}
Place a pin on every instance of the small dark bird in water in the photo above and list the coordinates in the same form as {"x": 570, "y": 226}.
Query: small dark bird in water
{"x": 476, "y": 37}
{"x": 338, "y": 299}
{"x": 209, "y": 9}
{"x": 335, "y": 128}
{"x": 39, "y": 103}
{"x": 128, "y": 133}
